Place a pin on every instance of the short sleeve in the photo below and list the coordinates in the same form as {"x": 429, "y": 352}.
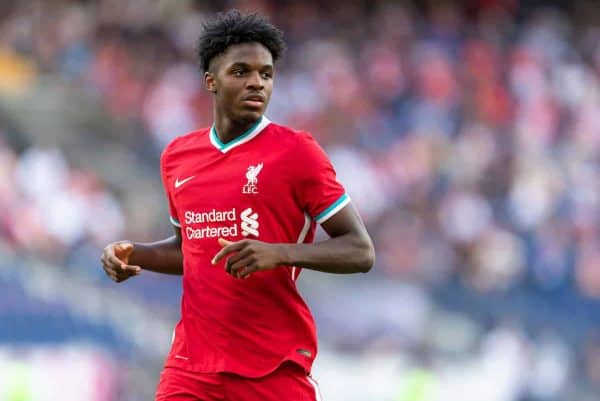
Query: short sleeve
{"x": 318, "y": 190}
{"x": 173, "y": 216}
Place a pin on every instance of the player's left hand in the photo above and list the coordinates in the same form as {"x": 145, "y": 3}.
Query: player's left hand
{"x": 249, "y": 256}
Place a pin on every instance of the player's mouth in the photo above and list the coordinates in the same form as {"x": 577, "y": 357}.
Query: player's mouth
{"x": 254, "y": 100}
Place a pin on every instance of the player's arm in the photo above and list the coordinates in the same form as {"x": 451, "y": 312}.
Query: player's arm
{"x": 349, "y": 250}
{"x": 124, "y": 259}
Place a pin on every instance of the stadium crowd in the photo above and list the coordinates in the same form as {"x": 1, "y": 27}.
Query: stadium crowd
{"x": 468, "y": 136}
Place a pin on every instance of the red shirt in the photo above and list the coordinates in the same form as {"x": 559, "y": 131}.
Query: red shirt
{"x": 272, "y": 184}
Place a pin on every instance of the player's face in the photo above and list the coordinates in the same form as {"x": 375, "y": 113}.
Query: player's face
{"x": 242, "y": 80}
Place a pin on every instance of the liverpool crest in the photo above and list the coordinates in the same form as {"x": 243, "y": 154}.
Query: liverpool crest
{"x": 251, "y": 186}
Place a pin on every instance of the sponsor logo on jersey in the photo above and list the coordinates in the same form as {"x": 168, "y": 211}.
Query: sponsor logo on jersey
{"x": 249, "y": 222}
{"x": 199, "y": 225}
{"x": 251, "y": 186}
{"x": 220, "y": 223}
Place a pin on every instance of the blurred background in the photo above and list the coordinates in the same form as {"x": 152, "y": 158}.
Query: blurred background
{"x": 467, "y": 133}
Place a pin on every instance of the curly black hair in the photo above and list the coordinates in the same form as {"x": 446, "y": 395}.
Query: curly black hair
{"x": 232, "y": 28}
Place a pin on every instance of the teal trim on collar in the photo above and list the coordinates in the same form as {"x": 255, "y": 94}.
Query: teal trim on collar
{"x": 224, "y": 147}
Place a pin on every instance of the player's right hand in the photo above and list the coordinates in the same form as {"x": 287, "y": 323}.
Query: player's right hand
{"x": 115, "y": 261}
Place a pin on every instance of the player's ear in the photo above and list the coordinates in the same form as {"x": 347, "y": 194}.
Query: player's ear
{"x": 209, "y": 82}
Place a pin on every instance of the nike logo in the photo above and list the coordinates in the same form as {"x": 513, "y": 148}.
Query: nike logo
{"x": 180, "y": 183}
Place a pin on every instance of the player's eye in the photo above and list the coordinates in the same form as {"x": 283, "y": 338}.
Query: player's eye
{"x": 267, "y": 75}
{"x": 238, "y": 73}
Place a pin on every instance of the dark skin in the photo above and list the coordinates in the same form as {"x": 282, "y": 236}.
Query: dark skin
{"x": 241, "y": 80}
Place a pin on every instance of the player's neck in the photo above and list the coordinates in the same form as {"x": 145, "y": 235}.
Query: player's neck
{"x": 227, "y": 129}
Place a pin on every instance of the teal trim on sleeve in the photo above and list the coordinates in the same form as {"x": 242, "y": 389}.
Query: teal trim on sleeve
{"x": 332, "y": 209}
{"x": 175, "y": 222}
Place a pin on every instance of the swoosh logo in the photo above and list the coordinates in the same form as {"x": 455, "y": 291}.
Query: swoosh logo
{"x": 180, "y": 183}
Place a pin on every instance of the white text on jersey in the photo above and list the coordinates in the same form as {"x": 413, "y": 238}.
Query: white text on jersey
{"x": 220, "y": 223}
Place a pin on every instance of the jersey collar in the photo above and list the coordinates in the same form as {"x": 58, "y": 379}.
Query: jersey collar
{"x": 253, "y": 131}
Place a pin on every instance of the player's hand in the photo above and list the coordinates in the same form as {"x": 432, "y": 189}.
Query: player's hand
{"x": 115, "y": 261}
{"x": 249, "y": 256}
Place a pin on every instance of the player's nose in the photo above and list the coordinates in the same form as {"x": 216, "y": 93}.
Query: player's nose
{"x": 255, "y": 81}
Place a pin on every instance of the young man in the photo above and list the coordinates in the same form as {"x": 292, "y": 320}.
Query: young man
{"x": 244, "y": 197}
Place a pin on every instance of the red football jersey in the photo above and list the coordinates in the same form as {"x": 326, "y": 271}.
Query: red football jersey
{"x": 272, "y": 184}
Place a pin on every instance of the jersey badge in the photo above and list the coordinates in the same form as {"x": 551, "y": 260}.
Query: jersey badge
{"x": 251, "y": 186}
